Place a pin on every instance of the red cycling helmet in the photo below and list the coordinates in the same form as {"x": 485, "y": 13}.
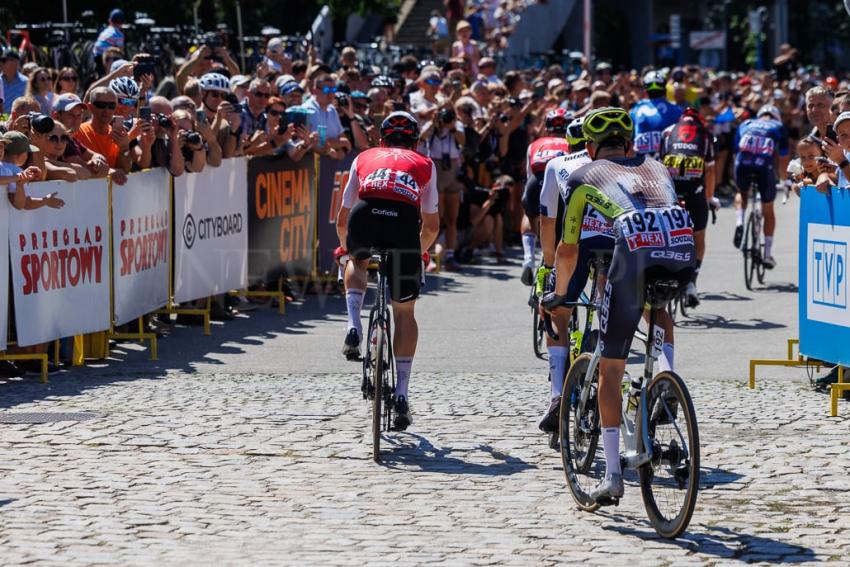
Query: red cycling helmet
{"x": 400, "y": 129}
{"x": 557, "y": 120}
{"x": 692, "y": 114}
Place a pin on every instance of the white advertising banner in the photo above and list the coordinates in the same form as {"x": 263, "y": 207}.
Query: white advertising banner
{"x": 140, "y": 225}
{"x": 60, "y": 262}
{"x": 4, "y": 266}
{"x": 211, "y": 231}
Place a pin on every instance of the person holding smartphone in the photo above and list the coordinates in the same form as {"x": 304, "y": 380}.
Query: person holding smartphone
{"x": 105, "y": 136}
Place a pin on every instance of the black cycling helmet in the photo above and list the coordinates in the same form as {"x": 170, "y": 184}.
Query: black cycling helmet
{"x": 400, "y": 129}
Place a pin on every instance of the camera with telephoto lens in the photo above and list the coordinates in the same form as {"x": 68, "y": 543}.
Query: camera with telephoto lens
{"x": 163, "y": 121}
{"x": 447, "y": 116}
{"x": 41, "y": 123}
{"x": 193, "y": 138}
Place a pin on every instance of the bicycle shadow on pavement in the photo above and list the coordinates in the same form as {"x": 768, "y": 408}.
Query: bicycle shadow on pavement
{"x": 723, "y": 296}
{"x": 712, "y": 321}
{"x": 787, "y": 287}
{"x": 720, "y": 542}
{"x": 422, "y": 455}
{"x": 711, "y": 477}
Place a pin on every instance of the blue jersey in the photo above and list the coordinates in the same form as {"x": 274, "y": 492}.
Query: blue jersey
{"x": 758, "y": 142}
{"x": 651, "y": 118}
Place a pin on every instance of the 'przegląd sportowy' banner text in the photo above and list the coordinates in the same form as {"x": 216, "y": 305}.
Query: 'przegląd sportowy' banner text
{"x": 211, "y": 231}
{"x": 140, "y": 220}
{"x": 60, "y": 262}
{"x": 4, "y": 266}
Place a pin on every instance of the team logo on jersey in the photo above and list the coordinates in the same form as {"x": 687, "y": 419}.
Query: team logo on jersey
{"x": 687, "y": 132}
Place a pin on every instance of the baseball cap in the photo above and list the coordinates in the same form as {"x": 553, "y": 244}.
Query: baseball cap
{"x": 116, "y": 15}
{"x": 17, "y": 143}
{"x": 275, "y": 45}
{"x": 117, "y": 64}
{"x": 10, "y": 53}
{"x": 239, "y": 81}
{"x": 554, "y": 83}
{"x": 359, "y": 95}
{"x": 65, "y": 102}
{"x": 291, "y": 87}
{"x": 843, "y": 117}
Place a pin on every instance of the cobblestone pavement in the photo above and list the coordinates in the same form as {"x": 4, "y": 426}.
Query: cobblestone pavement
{"x": 249, "y": 448}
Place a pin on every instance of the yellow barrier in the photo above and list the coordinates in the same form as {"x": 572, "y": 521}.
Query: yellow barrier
{"x": 789, "y": 362}
{"x": 835, "y": 391}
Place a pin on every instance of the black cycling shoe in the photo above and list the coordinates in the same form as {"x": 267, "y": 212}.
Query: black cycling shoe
{"x": 739, "y": 235}
{"x": 549, "y": 423}
{"x": 527, "y": 276}
{"x": 351, "y": 348}
{"x": 402, "y": 417}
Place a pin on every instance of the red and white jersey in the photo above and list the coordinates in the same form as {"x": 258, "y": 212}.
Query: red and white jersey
{"x": 395, "y": 174}
{"x": 542, "y": 150}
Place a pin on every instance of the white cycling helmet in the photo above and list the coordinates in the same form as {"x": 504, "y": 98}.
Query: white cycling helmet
{"x": 215, "y": 82}
{"x": 124, "y": 87}
{"x": 769, "y": 110}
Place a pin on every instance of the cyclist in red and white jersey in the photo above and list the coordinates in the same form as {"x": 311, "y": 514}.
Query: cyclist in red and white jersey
{"x": 539, "y": 153}
{"x": 390, "y": 202}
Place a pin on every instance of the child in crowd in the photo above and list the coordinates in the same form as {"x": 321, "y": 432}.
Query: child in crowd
{"x": 808, "y": 166}
{"x": 14, "y": 149}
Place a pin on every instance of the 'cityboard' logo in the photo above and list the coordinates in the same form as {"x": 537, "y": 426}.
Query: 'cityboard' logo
{"x": 829, "y": 266}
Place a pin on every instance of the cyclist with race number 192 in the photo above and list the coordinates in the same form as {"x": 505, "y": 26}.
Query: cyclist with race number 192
{"x": 687, "y": 150}
{"x": 653, "y": 235}
{"x": 390, "y": 202}
{"x": 762, "y": 146}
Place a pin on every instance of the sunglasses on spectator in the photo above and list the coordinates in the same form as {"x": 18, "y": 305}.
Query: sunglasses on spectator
{"x": 259, "y": 94}
{"x": 433, "y": 82}
{"x": 329, "y": 90}
{"x": 104, "y": 104}
{"x": 273, "y": 112}
{"x": 44, "y": 79}
{"x": 63, "y": 139}
{"x": 127, "y": 101}
{"x": 68, "y": 78}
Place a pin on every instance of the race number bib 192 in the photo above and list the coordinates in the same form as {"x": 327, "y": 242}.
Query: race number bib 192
{"x": 392, "y": 180}
{"x": 656, "y": 228}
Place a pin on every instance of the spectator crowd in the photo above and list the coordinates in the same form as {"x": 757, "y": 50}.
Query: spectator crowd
{"x": 477, "y": 120}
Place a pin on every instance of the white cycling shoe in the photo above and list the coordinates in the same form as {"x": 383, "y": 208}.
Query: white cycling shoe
{"x": 610, "y": 487}
{"x": 769, "y": 262}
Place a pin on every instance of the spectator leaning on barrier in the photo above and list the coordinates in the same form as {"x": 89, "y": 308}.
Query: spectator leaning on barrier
{"x": 190, "y": 141}
{"x": 324, "y": 119}
{"x": 353, "y": 126}
{"x": 103, "y": 135}
{"x": 52, "y": 148}
{"x": 68, "y": 110}
{"x": 14, "y": 82}
{"x": 165, "y": 153}
{"x": 222, "y": 113}
{"x": 838, "y": 152}
{"x": 19, "y": 118}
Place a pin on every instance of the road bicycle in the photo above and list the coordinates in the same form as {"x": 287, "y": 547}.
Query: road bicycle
{"x": 378, "y": 383}
{"x": 658, "y": 427}
{"x": 752, "y": 244}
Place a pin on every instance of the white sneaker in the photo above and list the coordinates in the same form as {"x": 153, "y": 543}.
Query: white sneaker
{"x": 691, "y": 295}
{"x": 769, "y": 262}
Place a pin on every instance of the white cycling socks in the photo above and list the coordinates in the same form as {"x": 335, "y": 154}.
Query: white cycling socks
{"x": 739, "y": 217}
{"x": 557, "y": 369}
{"x": 768, "y": 245}
{"x": 611, "y": 444}
{"x": 402, "y": 370}
{"x": 528, "y": 240}
{"x": 354, "y": 302}
{"x": 665, "y": 361}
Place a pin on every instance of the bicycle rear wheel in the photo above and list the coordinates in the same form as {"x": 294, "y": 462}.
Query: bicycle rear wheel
{"x": 746, "y": 248}
{"x": 669, "y": 483}
{"x": 579, "y": 434}
{"x": 377, "y": 399}
{"x": 536, "y": 326}
{"x": 758, "y": 247}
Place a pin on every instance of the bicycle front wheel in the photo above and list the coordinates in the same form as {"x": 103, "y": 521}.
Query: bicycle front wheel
{"x": 579, "y": 433}
{"x": 670, "y": 481}
{"x": 537, "y": 330}
{"x": 758, "y": 248}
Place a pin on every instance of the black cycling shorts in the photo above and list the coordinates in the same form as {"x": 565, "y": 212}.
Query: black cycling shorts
{"x": 391, "y": 225}
{"x": 588, "y": 248}
{"x": 624, "y": 298}
{"x": 531, "y": 195}
{"x": 693, "y": 194}
{"x": 765, "y": 181}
